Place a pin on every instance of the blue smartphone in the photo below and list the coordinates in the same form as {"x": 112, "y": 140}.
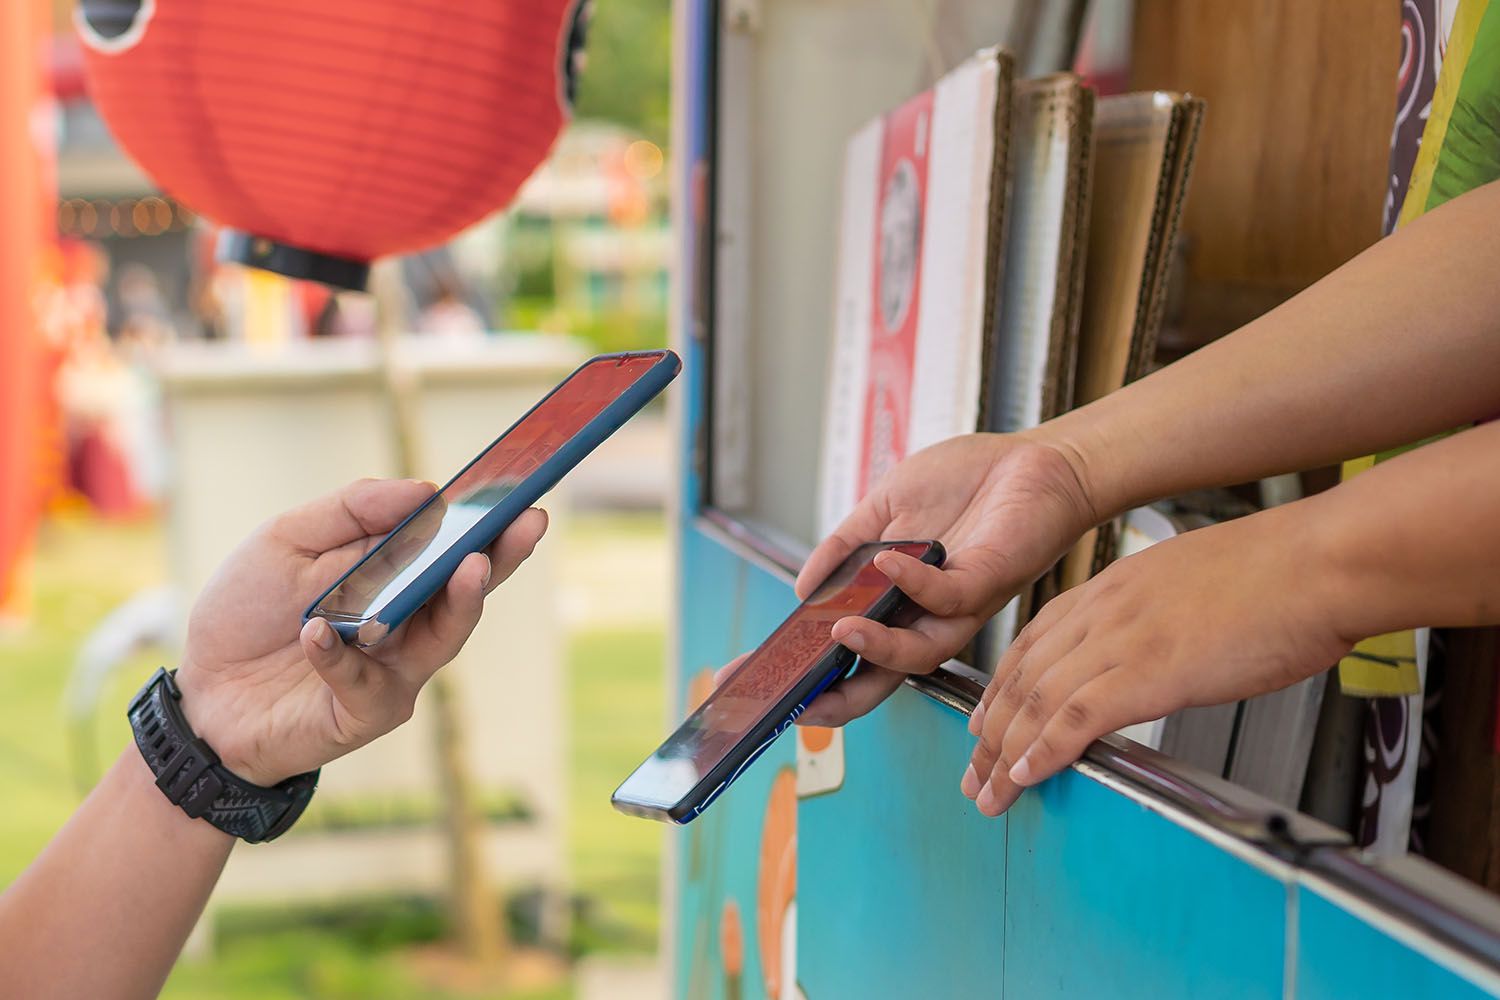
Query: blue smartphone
{"x": 413, "y": 562}
{"x": 765, "y": 694}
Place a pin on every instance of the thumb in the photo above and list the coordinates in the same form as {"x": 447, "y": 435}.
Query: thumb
{"x": 367, "y": 691}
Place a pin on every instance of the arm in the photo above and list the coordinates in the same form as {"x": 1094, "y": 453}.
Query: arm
{"x": 106, "y": 908}
{"x": 1242, "y": 608}
{"x": 1401, "y": 343}
{"x": 1368, "y": 358}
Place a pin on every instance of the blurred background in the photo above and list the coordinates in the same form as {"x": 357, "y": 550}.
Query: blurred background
{"x": 473, "y": 853}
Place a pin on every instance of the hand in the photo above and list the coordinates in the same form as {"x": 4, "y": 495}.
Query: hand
{"x": 275, "y": 698}
{"x": 1005, "y": 507}
{"x": 1218, "y": 614}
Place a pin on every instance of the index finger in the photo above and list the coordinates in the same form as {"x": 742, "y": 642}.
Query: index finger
{"x": 863, "y": 525}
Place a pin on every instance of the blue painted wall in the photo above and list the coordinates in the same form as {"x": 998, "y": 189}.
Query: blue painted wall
{"x": 1340, "y": 955}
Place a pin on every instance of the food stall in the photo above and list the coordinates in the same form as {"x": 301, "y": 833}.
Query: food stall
{"x": 847, "y": 864}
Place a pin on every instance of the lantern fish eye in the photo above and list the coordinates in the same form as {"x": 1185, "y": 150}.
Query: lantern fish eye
{"x": 575, "y": 55}
{"x": 112, "y": 25}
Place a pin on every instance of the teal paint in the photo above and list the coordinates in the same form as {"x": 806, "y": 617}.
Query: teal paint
{"x": 901, "y": 880}
{"x": 1105, "y": 897}
{"x": 1340, "y": 955}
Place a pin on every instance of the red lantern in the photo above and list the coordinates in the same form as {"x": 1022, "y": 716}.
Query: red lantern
{"x": 332, "y": 132}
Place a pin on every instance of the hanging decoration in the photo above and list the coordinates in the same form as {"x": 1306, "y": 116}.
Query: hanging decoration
{"x": 324, "y": 135}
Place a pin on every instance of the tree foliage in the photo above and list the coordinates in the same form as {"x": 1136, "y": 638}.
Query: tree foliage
{"x": 629, "y": 74}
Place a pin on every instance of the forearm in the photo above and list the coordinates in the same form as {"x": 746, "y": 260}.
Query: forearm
{"x": 107, "y": 907}
{"x": 1416, "y": 540}
{"x": 1400, "y": 343}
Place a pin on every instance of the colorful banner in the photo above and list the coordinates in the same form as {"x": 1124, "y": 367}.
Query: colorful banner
{"x": 1453, "y": 55}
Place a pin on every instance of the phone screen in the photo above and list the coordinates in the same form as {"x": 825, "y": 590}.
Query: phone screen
{"x": 489, "y": 479}
{"x": 741, "y": 703}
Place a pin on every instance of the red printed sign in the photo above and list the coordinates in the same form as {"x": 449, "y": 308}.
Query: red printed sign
{"x": 897, "y": 277}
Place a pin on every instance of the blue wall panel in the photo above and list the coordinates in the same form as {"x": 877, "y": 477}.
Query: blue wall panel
{"x": 901, "y": 880}
{"x": 1106, "y": 898}
{"x": 1339, "y": 955}
{"x": 727, "y": 607}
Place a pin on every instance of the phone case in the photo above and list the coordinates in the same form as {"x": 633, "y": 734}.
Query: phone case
{"x": 892, "y": 608}
{"x": 370, "y": 630}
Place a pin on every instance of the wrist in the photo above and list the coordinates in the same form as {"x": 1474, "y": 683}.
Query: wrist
{"x": 138, "y": 783}
{"x": 192, "y": 776}
{"x": 1359, "y": 596}
{"x": 215, "y": 721}
{"x": 1309, "y": 583}
{"x": 1086, "y": 463}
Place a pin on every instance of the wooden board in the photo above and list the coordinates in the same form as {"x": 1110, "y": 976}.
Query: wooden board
{"x": 1290, "y": 176}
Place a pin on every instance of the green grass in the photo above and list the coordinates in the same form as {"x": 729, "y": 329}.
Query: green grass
{"x": 617, "y": 707}
{"x": 369, "y": 949}
{"x": 83, "y": 570}
{"x": 328, "y": 952}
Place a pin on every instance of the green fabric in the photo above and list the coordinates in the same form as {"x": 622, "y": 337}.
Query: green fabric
{"x": 1470, "y": 156}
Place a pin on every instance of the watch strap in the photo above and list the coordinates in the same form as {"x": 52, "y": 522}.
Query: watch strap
{"x": 191, "y": 776}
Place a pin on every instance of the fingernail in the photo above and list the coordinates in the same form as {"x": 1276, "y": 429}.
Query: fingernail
{"x": 488, "y": 569}
{"x": 970, "y": 785}
{"x": 987, "y": 802}
{"x": 854, "y": 641}
{"x": 322, "y": 634}
{"x": 976, "y": 719}
{"x": 1021, "y": 774}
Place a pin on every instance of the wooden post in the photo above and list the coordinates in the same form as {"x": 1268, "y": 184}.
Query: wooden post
{"x": 473, "y": 904}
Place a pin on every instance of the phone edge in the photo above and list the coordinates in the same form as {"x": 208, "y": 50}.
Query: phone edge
{"x": 649, "y": 386}
{"x": 697, "y": 801}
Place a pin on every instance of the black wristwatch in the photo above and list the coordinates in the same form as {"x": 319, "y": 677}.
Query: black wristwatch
{"x": 189, "y": 773}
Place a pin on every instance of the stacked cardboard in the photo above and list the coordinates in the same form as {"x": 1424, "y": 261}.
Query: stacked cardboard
{"x": 1143, "y": 151}
{"x": 921, "y": 245}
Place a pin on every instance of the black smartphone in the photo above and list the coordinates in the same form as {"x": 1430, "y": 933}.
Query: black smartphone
{"x": 413, "y": 562}
{"x": 767, "y": 692}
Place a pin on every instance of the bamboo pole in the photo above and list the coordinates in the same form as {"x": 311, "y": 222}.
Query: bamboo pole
{"x": 473, "y": 903}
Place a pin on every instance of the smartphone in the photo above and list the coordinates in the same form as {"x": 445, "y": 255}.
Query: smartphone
{"x": 767, "y": 692}
{"x": 414, "y": 561}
